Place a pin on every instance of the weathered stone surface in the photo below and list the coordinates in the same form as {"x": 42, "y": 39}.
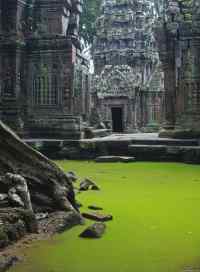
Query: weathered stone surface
{"x": 60, "y": 221}
{"x": 15, "y": 223}
{"x": 7, "y": 262}
{"x": 94, "y": 231}
{"x": 88, "y": 184}
{"x": 19, "y": 191}
{"x": 177, "y": 36}
{"x": 44, "y": 77}
{"x": 32, "y": 178}
{"x": 190, "y": 154}
{"x": 98, "y": 216}
{"x": 71, "y": 176}
{"x": 142, "y": 146}
{"x": 95, "y": 208}
{"x": 42, "y": 176}
{"x": 147, "y": 152}
{"x": 90, "y": 133}
{"x": 41, "y": 216}
{"x": 115, "y": 159}
{"x": 127, "y": 86}
{"x": 72, "y": 153}
{"x": 187, "y": 153}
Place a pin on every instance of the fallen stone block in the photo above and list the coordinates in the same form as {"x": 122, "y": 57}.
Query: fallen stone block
{"x": 94, "y": 231}
{"x": 114, "y": 159}
{"x": 87, "y": 184}
{"x": 71, "y": 176}
{"x": 97, "y": 217}
{"x": 95, "y": 208}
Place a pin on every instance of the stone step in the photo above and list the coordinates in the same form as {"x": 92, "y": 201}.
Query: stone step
{"x": 116, "y": 145}
{"x": 90, "y": 133}
{"x": 165, "y": 141}
{"x": 165, "y": 153}
{"x": 115, "y": 159}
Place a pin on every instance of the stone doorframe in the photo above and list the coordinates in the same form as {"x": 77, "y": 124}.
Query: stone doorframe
{"x": 125, "y": 104}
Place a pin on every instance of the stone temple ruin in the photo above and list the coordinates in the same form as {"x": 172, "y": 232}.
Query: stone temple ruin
{"x": 128, "y": 86}
{"x": 40, "y": 60}
{"x": 146, "y": 60}
{"x": 45, "y": 84}
{"x": 178, "y": 36}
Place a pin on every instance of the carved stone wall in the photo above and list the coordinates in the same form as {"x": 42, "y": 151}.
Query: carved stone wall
{"x": 82, "y": 87}
{"x": 1, "y": 21}
{"x": 127, "y": 68}
{"x": 11, "y": 51}
{"x": 40, "y": 51}
{"x": 178, "y": 37}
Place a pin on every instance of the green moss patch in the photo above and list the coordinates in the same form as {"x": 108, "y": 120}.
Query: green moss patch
{"x": 155, "y": 227}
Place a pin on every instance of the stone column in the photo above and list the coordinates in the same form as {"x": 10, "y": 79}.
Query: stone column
{"x": 170, "y": 87}
{"x": 188, "y": 112}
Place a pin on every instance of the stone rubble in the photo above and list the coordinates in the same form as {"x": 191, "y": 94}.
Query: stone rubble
{"x": 97, "y": 216}
{"x": 94, "y": 231}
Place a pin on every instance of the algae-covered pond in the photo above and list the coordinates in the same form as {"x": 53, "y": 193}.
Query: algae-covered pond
{"x": 156, "y": 226}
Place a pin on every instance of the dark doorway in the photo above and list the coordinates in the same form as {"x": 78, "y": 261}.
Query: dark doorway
{"x": 117, "y": 119}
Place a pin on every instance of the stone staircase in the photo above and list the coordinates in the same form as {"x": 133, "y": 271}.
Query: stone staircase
{"x": 151, "y": 148}
{"x": 165, "y": 150}
{"x": 165, "y": 153}
{"x": 141, "y": 146}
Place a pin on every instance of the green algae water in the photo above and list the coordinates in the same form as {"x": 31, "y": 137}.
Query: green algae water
{"x": 156, "y": 225}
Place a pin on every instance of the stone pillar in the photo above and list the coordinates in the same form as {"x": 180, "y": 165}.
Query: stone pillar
{"x": 188, "y": 100}
{"x": 68, "y": 79}
{"x": 169, "y": 68}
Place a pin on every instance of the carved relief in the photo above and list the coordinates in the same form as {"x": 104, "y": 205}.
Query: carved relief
{"x": 8, "y": 81}
{"x": 126, "y": 61}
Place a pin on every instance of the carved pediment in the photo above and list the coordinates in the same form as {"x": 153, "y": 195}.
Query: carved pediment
{"x": 117, "y": 81}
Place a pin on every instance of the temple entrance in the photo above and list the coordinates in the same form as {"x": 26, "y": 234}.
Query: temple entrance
{"x": 117, "y": 119}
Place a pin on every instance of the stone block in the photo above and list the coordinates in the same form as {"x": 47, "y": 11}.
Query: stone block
{"x": 115, "y": 159}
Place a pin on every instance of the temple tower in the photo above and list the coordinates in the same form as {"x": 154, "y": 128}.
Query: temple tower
{"x": 41, "y": 51}
{"x": 128, "y": 87}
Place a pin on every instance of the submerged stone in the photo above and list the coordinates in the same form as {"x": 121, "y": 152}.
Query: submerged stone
{"x": 98, "y": 216}
{"x": 94, "y": 231}
{"x": 95, "y": 208}
{"x": 88, "y": 184}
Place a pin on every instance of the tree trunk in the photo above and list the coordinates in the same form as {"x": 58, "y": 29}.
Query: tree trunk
{"x": 49, "y": 187}
{"x": 33, "y": 178}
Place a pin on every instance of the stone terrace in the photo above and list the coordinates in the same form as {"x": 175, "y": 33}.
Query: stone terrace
{"x": 143, "y": 146}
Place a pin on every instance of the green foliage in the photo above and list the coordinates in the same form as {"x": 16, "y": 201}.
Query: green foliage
{"x": 90, "y": 13}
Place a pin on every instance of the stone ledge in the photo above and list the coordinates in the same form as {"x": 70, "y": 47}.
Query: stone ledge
{"x": 114, "y": 159}
{"x": 189, "y": 154}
